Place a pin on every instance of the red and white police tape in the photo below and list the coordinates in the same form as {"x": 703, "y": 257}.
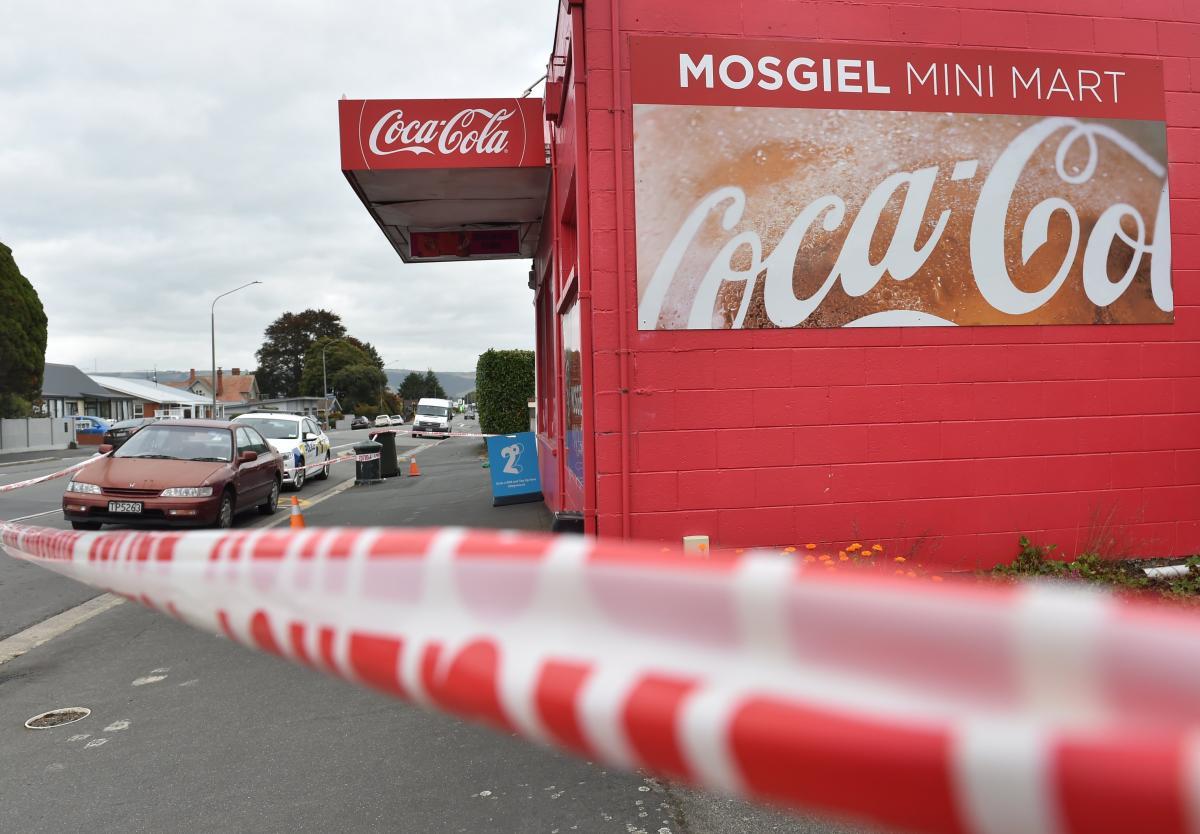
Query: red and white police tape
{"x": 43, "y": 478}
{"x": 952, "y": 707}
{"x": 444, "y": 435}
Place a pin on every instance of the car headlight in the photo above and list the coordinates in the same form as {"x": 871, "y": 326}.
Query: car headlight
{"x": 79, "y": 486}
{"x": 187, "y": 492}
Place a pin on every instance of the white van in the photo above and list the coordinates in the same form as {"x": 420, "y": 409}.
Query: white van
{"x": 432, "y": 418}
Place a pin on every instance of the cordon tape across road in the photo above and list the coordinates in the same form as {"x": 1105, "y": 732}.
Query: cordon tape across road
{"x": 942, "y": 708}
{"x": 42, "y": 479}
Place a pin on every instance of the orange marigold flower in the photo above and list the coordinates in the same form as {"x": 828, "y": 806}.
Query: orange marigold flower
{"x": 739, "y": 551}
{"x": 789, "y": 549}
{"x": 899, "y": 559}
{"x": 877, "y": 547}
{"x": 855, "y": 546}
{"x": 809, "y": 559}
{"x": 841, "y": 554}
{"x": 824, "y": 557}
{"x": 843, "y": 558}
{"x": 810, "y": 546}
{"x": 936, "y": 578}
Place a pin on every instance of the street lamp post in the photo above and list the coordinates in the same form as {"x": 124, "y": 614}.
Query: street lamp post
{"x": 213, "y": 337}
{"x": 325, "y": 385}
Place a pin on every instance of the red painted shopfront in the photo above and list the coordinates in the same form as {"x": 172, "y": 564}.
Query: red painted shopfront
{"x": 826, "y": 271}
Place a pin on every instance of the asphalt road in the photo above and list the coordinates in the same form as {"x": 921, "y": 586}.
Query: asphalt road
{"x": 190, "y": 732}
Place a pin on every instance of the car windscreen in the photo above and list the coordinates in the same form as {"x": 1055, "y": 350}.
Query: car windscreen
{"x": 128, "y": 424}
{"x": 179, "y": 443}
{"x": 433, "y": 411}
{"x": 273, "y": 428}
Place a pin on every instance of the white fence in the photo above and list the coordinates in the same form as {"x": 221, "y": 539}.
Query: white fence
{"x": 34, "y": 434}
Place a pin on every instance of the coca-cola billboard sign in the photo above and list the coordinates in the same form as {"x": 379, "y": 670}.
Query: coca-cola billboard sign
{"x": 923, "y": 187}
{"x": 441, "y": 133}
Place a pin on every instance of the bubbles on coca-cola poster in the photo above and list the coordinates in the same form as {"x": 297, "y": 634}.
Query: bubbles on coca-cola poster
{"x": 771, "y": 217}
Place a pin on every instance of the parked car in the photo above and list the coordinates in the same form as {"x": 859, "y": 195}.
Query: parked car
{"x": 383, "y": 421}
{"x": 86, "y": 424}
{"x": 177, "y": 472}
{"x": 298, "y": 439}
{"x": 432, "y": 418}
{"x": 360, "y": 423}
{"x": 397, "y": 420}
{"x": 118, "y": 433}
{"x": 470, "y": 415}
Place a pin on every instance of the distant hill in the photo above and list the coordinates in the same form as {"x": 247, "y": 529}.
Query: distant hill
{"x": 456, "y": 383}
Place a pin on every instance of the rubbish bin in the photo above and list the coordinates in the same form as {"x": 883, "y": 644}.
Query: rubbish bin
{"x": 388, "y": 468}
{"x": 367, "y": 471}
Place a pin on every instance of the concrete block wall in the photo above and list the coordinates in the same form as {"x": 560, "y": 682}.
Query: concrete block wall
{"x": 950, "y": 441}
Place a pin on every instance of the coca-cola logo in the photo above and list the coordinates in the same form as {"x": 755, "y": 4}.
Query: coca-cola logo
{"x": 470, "y": 131}
{"x": 955, "y": 242}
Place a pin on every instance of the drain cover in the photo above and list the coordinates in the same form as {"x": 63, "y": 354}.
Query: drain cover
{"x": 57, "y": 717}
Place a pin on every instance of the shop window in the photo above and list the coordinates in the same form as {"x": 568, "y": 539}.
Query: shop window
{"x": 572, "y": 343}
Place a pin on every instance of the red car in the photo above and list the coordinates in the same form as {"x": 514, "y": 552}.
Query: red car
{"x": 177, "y": 472}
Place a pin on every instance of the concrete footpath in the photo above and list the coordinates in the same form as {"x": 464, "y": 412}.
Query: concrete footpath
{"x": 452, "y": 489}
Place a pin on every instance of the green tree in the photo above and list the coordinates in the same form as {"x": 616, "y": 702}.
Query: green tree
{"x": 339, "y": 353}
{"x": 433, "y": 387}
{"x": 504, "y": 387}
{"x": 361, "y": 383}
{"x": 22, "y": 339}
{"x": 285, "y": 345}
{"x": 413, "y": 387}
{"x": 368, "y": 349}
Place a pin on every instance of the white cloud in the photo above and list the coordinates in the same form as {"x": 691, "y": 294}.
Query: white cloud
{"x": 153, "y": 155}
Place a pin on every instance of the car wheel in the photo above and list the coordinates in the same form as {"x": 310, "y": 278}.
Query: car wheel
{"x": 225, "y": 512}
{"x": 324, "y": 473}
{"x": 272, "y": 503}
{"x": 85, "y": 525}
{"x": 299, "y": 476}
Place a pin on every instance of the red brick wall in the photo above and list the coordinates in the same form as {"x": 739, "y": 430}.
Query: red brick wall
{"x": 952, "y": 440}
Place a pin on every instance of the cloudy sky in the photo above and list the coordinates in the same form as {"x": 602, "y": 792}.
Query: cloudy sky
{"x": 153, "y": 155}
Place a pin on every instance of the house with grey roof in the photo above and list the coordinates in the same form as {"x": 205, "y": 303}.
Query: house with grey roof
{"x": 66, "y": 390}
{"x": 150, "y": 399}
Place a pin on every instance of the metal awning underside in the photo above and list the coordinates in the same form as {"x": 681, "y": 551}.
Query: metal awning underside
{"x": 454, "y": 199}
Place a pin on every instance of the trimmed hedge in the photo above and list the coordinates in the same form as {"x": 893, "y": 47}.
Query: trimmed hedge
{"x": 503, "y": 389}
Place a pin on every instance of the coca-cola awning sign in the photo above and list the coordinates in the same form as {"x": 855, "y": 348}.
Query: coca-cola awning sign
{"x": 449, "y": 179}
{"x": 796, "y": 184}
{"x": 441, "y": 133}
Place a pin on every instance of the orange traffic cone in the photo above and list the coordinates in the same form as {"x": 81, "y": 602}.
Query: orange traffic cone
{"x": 297, "y": 516}
{"x": 413, "y": 469}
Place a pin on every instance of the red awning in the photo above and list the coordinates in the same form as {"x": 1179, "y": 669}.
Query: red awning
{"x": 449, "y": 179}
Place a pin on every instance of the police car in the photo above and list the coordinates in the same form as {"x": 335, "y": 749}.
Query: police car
{"x": 298, "y": 439}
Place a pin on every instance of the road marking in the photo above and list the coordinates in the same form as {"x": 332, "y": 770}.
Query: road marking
{"x": 31, "y": 460}
{"x": 148, "y": 679}
{"x": 37, "y": 515}
{"x": 123, "y": 724}
{"x": 96, "y": 742}
{"x": 47, "y": 630}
